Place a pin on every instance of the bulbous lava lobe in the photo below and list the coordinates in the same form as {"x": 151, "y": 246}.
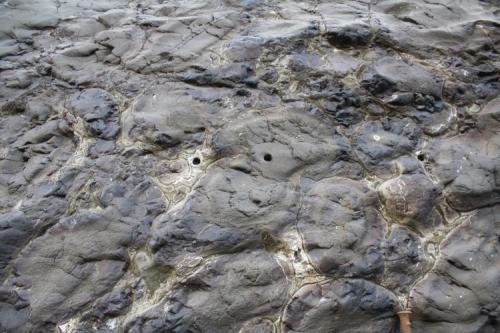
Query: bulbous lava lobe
{"x": 249, "y": 166}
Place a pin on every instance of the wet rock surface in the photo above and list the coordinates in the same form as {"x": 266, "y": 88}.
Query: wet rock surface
{"x": 249, "y": 166}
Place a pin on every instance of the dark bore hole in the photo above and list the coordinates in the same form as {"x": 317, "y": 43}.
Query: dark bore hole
{"x": 421, "y": 157}
{"x": 268, "y": 157}
{"x": 196, "y": 161}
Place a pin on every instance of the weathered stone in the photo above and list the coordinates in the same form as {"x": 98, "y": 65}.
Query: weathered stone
{"x": 229, "y": 211}
{"x": 406, "y": 260}
{"x": 343, "y": 306}
{"x": 342, "y": 230}
{"x": 97, "y": 108}
{"x": 221, "y": 296}
{"x": 467, "y": 166}
{"x": 461, "y": 293}
{"x": 388, "y": 75}
{"x": 175, "y": 116}
{"x": 380, "y": 142}
{"x": 15, "y": 231}
{"x": 76, "y": 261}
{"x": 350, "y": 36}
{"x": 280, "y": 145}
{"x": 244, "y": 166}
{"x": 410, "y": 200}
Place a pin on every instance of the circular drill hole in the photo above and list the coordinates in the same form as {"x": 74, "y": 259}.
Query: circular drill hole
{"x": 196, "y": 160}
{"x": 268, "y": 157}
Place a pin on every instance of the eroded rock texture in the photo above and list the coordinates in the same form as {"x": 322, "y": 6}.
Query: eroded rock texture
{"x": 249, "y": 166}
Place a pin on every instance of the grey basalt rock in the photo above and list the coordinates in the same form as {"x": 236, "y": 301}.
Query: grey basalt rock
{"x": 341, "y": 229}
{"x": 15, "y": 231}
{"x": 378, "y": 143}
{"x": 78, "y": 259}
{"x": 461, "y": 293}
{"x": 14, "y": 310}
{"x": 343, "y": 306}
{"x": 410, "y": 200}
{"x": 36, "y": 148}
{"x": 354, "y": 35}
{"x": 112, "y": 304}
{"x": 125, "y": 42}
{"x": 97, "y": 108}
{"x": 229, "y": 211}
{"x": 405, "y": 260}
{"x": 279, "y": 144}
{"x": 467, "y": 165}
{"x": 173, "y": 116}
{"x": 259, "y": 325}
{"x": 423, "y": 28}
{"x": 389, "y": 75}
{"x": 249, "y": 166}
{"x": 228, "y": 293}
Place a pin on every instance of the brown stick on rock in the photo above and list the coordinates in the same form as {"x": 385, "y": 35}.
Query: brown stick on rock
{"x": 404, "y": 321}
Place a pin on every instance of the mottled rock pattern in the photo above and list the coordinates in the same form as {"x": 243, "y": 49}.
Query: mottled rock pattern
{"x": 250, "y": 166}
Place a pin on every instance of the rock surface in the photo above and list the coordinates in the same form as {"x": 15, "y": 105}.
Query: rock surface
{"x": 250, "y": 166}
